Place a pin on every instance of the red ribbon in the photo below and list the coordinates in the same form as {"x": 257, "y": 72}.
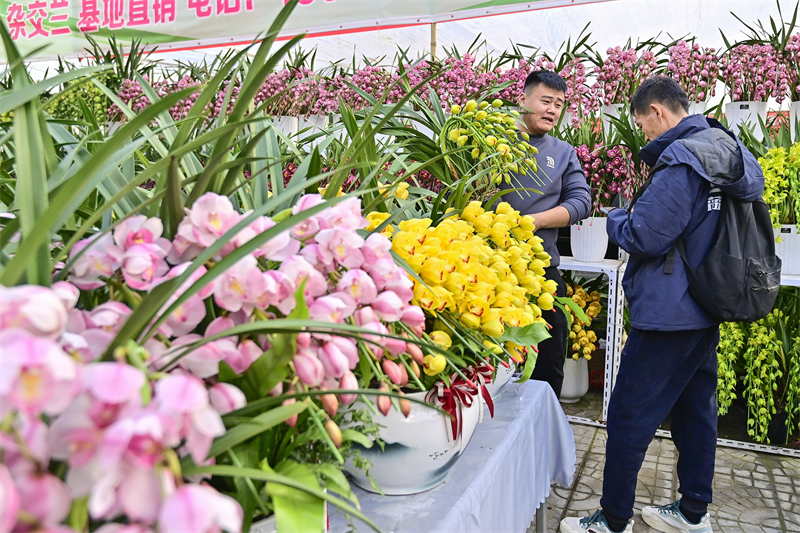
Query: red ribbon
{"x": 453, "y": 400}
{"x": 482, "y": 375}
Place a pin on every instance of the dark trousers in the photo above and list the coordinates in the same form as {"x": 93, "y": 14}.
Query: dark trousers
{"x": 662, "y": 373}
{"x": 553, "y": 351}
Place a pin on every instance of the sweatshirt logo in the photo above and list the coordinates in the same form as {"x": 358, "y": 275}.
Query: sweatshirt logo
{"x": 550, "y": 162}
{"x": 714, "y": 203}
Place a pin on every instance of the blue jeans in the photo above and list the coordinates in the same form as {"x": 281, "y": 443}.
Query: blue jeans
{"x": 662, "y": 373}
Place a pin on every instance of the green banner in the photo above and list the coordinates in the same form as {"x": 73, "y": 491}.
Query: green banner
{"x": 58, "y": 25}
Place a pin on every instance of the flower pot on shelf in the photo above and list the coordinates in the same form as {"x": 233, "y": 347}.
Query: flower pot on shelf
{"x": 500, "y": 380}
{"x": 589, "y": 240}
{"x": 794, "y": 120}
{"x": 576, "y": 380}
{"x": 286, "y": 125}
{"x": 788, "y": 249}
{"x": 311, "y": 125}
{"x": 698, "y": 108}
{"x": 746, "y": 113}
{"x": 419, "y": 450}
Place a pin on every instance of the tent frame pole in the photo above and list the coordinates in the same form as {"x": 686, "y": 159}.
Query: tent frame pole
{"x": 433, "y": 40}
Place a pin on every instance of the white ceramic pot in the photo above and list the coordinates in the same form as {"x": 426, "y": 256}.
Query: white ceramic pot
{"x": 698, "y": 108}
{"x": 419, "y": 450}
{"x": 794, "y": 120}
{"x": 576, "y": 380}
{"x": 788, "y": 249}
{"x": 286, "y": 125}
{"x": 613, "y": 110}
{"x": 589, "y": 239}
{"x": 268, "y": 525}
{"x": 741, "y": 113}
{"x": 501, "y": 378}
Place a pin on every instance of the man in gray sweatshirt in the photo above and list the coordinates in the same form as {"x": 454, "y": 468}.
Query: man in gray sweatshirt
{"x": 565, "y": 200}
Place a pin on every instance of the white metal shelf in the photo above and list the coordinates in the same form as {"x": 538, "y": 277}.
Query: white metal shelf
{"x": 612, "y": 269}
{"x": 790, "y": 280}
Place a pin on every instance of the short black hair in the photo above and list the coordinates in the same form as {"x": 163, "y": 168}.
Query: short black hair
{"x": 662, "y": 90}
{"x": 550, "y": 79}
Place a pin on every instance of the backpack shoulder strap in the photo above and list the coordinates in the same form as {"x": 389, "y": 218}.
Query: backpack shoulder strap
{"x": 669, "y": 264}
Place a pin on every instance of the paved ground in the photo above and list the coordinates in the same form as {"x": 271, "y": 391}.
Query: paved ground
{"x": 753, "y": 492}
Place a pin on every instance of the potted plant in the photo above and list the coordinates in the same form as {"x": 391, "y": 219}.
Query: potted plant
{"x": 767, "y": 352}
{"x": 696, "y": 69}
{"x": 782, "y": 193}
{"x": 583, "y": 338}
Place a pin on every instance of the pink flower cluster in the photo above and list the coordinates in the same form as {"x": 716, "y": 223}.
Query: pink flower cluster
{"x": 695, "y": 68}
{"x": 610, "y": 171}
{"x": 578, "y": 95}
{"x": 114, "y": 439}
{"x": 791, "y": 58}
{"x": 755, "y": 73}
{"x": 620, "y": 74}
{"x": 295, "y": 91}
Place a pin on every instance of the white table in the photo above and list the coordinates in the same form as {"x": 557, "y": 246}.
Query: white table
{"x": 498, "y": 483}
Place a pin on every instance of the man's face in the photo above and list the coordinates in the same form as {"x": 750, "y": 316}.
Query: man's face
{"x": 541, "y": 108}
{"x": 653, "y": 124}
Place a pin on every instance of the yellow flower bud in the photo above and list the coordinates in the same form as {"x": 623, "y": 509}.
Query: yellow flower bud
{"x": 470, "y": 321}
{"x": 497, "y": 103}
{"x": 550, "y": 286}
{"x": 545, "y": 301}
{"x": 441, "y": 338}
{"x": 472, "y": 105}
{"x": 493, "y": 328}
{"x": 497, "y": 350}
{"x": 433, "y": 364}
{"x": 456, "y": 109}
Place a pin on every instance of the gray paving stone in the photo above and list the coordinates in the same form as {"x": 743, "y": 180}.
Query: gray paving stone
{"x": 752, "y": 492}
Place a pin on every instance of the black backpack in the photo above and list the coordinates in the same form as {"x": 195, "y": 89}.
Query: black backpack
{"x": 739, "y": 279}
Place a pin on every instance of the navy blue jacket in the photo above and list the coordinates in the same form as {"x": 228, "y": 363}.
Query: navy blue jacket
{"x": 676, "y": 204}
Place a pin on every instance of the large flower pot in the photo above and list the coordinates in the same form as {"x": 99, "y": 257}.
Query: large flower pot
{"x": 286, "y": 125}
{"x": 267, "y": 525}
{"x": 500, "y": 380}
{"x": 794, "y": 120}
{"x": 589, "y": 239}
{"x": 698, "y": 108}
{"x": 788, "y": 249}
{"x": 420, "y": 450}
{"x": 746, "y": 113}
{"x": 576, "y": 380}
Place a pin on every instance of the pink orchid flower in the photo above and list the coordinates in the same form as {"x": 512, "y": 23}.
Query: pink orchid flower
{"x": 348, "y": 382}
{"x": 359, "y": 285}
{"x": 276, "y": 249}
{"x": 96, "y": 262}
{"x": 36, "y": 376}
{"x": 199, "y": 509}
{"x": 327, "y": 309}
{"x": 246, "y": 354}
{"x": 185, "y": 398}
{"x": 240, "y": 286}
{"x": 388, "y": 306}
{"x": 225, "y": 398}
{"x": 142, "y": 264}
{"x": 299, "y": 270}
{"x": 377, "y": 246}
{"x": 333, "y": 360}
{"x": 9, "y": 501}
{"x": 211, "y": 217}
{"x": 346, "y": 214}
{"x": 307, "y": 201}
{"x": 115, "y": 388}
{"x": 340, "y": 245}
{"x": 68, "y": 293}
{"x": 413, "y": 317}
{"x": 44, "y": 497}
{"x": 140, "y": 230}
{"x": 308, "y": 367}
{"x": 109, "y": 316}
{"x": 284, "y": 298}
{"x": 36, "y": 309}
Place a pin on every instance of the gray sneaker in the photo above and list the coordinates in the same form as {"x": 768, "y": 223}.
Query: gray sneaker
{"x": 591, "y": 524}
{"x": 670, "y": 519}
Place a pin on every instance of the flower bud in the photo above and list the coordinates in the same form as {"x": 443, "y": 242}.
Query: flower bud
{"x": 330, "y": 404}
{"x": 384, "y": 402}
{"x": 414, "y": 367}
{"x": 334, "y": 433}
{"x": 392, "y": 371}
{"x": 415, "y": 352}
{"x": 405, "y": 407}
{"x": 348, "y": 382}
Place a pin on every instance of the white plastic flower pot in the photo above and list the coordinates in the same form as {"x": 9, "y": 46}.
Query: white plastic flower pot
{"x": 698, "y": 108}
{"x": 311, "y": 125}
{"x": 794, "y": 120}
{"x": 268, "y": 525}
{"x": 500, "y": 380}
{"x": 589, "y": 240}
{"x": 746, "y": 113}
{"x": 788, "y": 249}
{"x": 419, "y": 451}
{"x": 576, "y": 380}
{"x": 286, "y": 125}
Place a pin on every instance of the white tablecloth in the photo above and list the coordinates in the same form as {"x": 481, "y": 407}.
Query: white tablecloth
{"x": 499, "y": 481}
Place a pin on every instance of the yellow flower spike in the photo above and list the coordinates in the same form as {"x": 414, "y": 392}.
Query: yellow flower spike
{"x": 456, "y": 283}
{"x": 527, "y": 223}
{"x": 470, "y": 321}
{"x": 521, "y": 234}
{"x": 446, "y": 300}
{"x": 415, "y": 262}
{"x": 441, "y": 339}
{"x": 491, "y": 314}
{"x": 531, "y": 285}
{"x": 454, "y": 135}
{"x": 503, "y": 300}
{"x": 402, "y": 191}
{"x": 418, "y": 225}
{"x": 483, "y": 222}
{"x": 550, "y": 286}
{"x": 472, "y": 105}
{"x": 499, "y": 235}
{"x": 480, "y": 115}
{"x": 519, "y": 268}
{"x": 503, "y": 208}
{"x": 545, "y": 301}
{"x": 493, "y": 328}
{"x": 433, "y": 364}
{"x": 497, "y": 350}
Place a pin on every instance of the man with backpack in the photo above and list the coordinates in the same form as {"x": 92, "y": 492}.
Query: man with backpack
{"x": 703, "y": 199}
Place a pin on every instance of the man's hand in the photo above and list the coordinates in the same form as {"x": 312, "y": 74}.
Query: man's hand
{"x": 558, "y": 217}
